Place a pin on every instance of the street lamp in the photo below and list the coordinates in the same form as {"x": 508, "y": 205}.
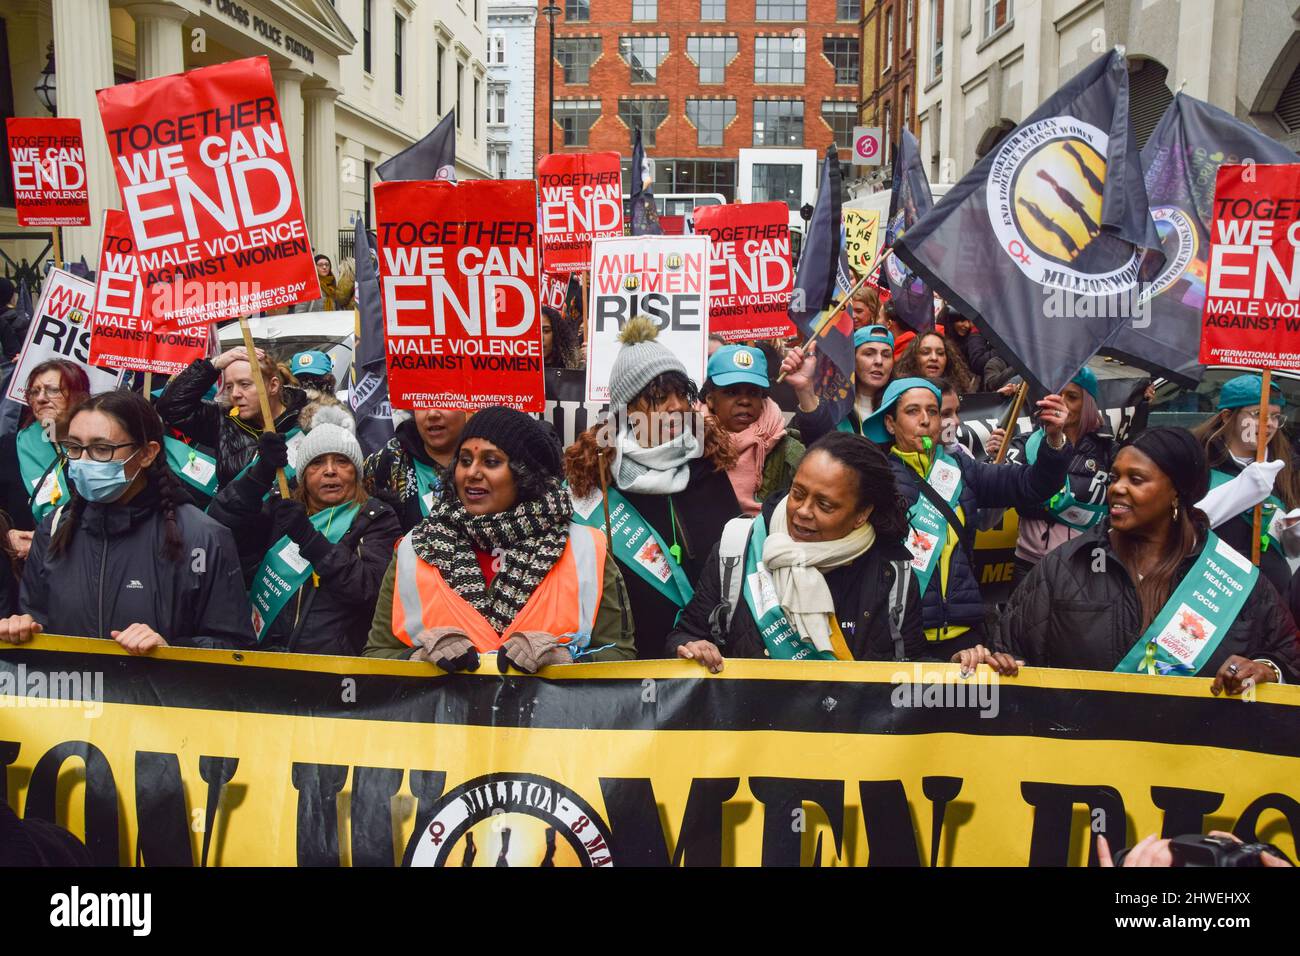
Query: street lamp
{"x": 551, "y": 11}
{"x": 46, "y": 90}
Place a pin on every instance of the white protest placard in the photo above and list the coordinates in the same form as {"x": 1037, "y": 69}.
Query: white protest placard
{"x": 60, "y": 329}
{"x": 666, "y": 279}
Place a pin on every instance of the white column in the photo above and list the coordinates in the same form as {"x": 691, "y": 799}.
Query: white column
{"x": 321, "y": 192}
{"x": 288, "y": 93}
{"x": 83, "y": 60}
{"x": 159, "y": 39}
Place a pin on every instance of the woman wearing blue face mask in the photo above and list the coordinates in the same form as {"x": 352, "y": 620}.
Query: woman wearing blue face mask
{"x": 128, "y": 557}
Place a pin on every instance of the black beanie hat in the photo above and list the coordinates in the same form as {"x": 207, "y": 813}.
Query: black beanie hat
{"x": 520, "y": 436}
{"x": 1181, "y": 457}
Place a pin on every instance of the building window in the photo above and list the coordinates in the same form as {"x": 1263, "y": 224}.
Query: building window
{"x": 496, "y": 106}
{"x": 710, "y": 119}
{"x": 909, "y": 22}
{"x": 936, "y": 39}
{"x": 777, "y": 182}
{"x": 399, "y": 32}
{"x": 460, "y": 91}
{"x": 712, "y": 55}
{"x": 841, "y": 118}
{"x": 645, "y": 10}
{"x": 577, "y": 11}
{"x": 848, "y": 10}
{"x": 576, "y": 117}
{"x": 476, "y": 105}
{"x": 437, "y": 82}
{"x": 778, "y": 122}
{"x": 778, "y": 60}
{"x": 997, "y": 14}
{"x": 643, "y": 55}
{"x": 369, "y": 169}
{"x": 907, "y": 110}
{"x": 843, "y": 55}
{"x": 689, "y": 176}
{"x": 646, "y": 115}
{"x": 499, "y": 157}
{"x": 780, "y": 10}
{"x": 889, "y": 41}
{"x": 365, "y": 35}
{"x": 576, "y": 54}
{"x": 496, "y": 50}
{"x": 713, "y": 9}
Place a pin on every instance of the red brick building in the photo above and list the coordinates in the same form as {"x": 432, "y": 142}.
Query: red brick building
{"x": 703, "y": 79}
{"x": 889, "y": 39}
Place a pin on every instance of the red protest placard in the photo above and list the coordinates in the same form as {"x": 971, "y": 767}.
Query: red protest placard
{"x": 750, "y": 275}
{"x": 120, "y": 335}
{"x": 206, "y": 179}
{"x": 458, "y": 281}
{"x": 1252, "y": 296}
{"x": 48, "y": 159}
{"x": 581, "y": 200}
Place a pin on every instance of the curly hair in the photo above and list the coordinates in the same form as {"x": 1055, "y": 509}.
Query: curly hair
{"x": 139, "y": 420}
{"x": 876, "y": 485}
{"x": 958, "y": 372}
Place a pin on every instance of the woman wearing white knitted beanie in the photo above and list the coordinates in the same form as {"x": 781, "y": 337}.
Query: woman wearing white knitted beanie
{"x": 314, "y": 561}
{"x": 661, "y": 468}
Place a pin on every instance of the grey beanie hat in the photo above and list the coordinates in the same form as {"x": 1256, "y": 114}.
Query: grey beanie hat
{"x": 640, "y": 361}
{"x": 329, "y": 430}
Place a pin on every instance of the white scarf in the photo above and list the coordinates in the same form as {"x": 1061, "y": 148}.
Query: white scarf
{"x": 661, "y": 470}
{"x": 797, "y": 568}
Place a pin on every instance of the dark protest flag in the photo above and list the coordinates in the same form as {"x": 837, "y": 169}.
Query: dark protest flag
{"x": 1181, "y": 161}
{"x": 814, "y": 290}
{"x": 433, "y": 157}
{"x": 1041, "y": 242}
{"x": 909, "y": 200}
{"x": 573, "y": 309}
{"x": 369, "y": 393}
{"x": 25, "y": 311}
{"x": 645, "y": 217}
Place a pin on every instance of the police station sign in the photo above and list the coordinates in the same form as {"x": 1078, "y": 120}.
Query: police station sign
{"x": 665, "y": 278}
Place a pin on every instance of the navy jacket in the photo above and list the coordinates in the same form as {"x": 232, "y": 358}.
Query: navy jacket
{"x": 984, "y": 485}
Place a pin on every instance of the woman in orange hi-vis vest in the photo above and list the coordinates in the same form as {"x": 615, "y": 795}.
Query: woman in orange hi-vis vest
{"x": 499, "y": 565}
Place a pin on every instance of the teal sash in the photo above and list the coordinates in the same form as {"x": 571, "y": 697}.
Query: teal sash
{"x": 1193, "y": 622}
{"x": 637, "y": 545}
{"x": 427, "y": 482}
{"x": 194, "y": 467}
{"x": 1273, "y": 506}
{"x": 782, "y": 639}
{"x": 929, "y": 528}
{"x": 283, "y": 571}
{"x": 41, "y": 467}
{"x": 1067, "y": 509}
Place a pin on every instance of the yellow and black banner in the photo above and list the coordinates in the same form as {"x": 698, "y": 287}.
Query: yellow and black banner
{"x": 232, "y": 759}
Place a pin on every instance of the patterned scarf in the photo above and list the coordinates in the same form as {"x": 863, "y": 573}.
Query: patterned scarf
{"x": 526, "y": 541}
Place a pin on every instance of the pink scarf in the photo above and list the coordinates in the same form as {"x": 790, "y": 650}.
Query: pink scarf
{"x": 752, "y": 446}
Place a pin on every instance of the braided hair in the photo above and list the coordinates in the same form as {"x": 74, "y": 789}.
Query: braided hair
{"x": 139, "y": 420}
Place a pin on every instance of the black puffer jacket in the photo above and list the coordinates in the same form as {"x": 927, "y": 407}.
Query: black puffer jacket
{"x": 115, "y": 573}
{"x": 1069, "y": 614}
{"x": 182, "y": 407}
{"x": 332, "y": 617}
{"x": 860, "y": 591}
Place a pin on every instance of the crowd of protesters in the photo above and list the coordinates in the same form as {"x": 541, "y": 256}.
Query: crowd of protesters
{"x": 697, "y": 520}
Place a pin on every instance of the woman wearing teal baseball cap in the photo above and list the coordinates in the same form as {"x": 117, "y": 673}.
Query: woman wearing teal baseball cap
{"x": 943, "y": 494}
{"x": 767, "y": 452}
{"x": 1228, "y": 438}
{"x": 873, "y": 354}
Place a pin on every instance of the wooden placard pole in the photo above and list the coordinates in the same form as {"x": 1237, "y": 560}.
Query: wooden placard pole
{"x": 839, "y": 307}
{"x": 57, "y": 247}
{"x": 148, "y": 387}
{"x": 1261, "y": 452}
{"x": 268, "y": 423}
{"x": 1021, "y": 393}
